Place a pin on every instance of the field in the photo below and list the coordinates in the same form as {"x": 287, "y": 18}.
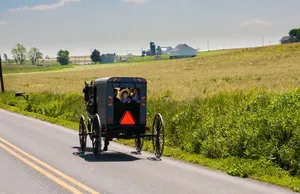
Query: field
{"x": 11, "y": 69}
{"x": 273, "y": 68}
{"x": 234, "y": 110}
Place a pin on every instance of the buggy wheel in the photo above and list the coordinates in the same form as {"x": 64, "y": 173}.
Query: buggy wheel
{"x": 97, "y": 135}
{"x": 139, "y": 144}
{"x": 82, "y": 135}
{"x": 158, "y": 135}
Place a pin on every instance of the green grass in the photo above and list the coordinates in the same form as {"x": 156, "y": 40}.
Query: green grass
{"x": 11, "y": 69}
{"x": 254, "y": 135}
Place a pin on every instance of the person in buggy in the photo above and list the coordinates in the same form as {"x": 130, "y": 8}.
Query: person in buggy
{"x": 135, "y": 97}
{"x": 125, "y": 96}
{"x": 116, "y": 99}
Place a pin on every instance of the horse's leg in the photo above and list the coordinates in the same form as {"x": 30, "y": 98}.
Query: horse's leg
{"x": 106, "y": 143}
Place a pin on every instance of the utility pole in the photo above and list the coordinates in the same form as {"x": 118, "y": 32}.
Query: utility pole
{"x": 1, "y": 75}
{"x": 208, "y": 45}
{"x": 263, "y": 41}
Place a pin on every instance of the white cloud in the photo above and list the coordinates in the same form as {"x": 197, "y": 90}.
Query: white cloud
{"x": 255, "y": 22}
{"x": 44, "y": 6}
{"x": 134, "y": 1}
{"x": 3, "y": 22}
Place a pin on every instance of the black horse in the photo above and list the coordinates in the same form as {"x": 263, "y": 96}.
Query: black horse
{"x": 91, "y": 109}
{"x": 88, "y": 91}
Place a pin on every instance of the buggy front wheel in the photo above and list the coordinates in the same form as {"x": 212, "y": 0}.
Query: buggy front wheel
{"x": 158, "y": 135}
{"x": 97, "y": 136}
{"x": 82, "y": 135}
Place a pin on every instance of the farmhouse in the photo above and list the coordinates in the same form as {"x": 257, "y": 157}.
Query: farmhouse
{"x": 109, "y": 58}
{"x": 183, "y": 51}
{"x": 288, "y": 39}
{"x": 166, "y": 50}
{"x": 123, "y": 59}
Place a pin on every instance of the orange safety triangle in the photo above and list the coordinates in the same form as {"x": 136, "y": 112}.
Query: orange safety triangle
{"x": 127, "y": 119}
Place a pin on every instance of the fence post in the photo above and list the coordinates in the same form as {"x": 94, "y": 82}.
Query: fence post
{"x": 1, "y": 75}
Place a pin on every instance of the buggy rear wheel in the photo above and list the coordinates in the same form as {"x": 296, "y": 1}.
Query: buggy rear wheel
{"x": 139, "y": 144}
{"x": 97, "y": 136}
{"x": 158, "y": 135}
{"x": 82, "y": 135}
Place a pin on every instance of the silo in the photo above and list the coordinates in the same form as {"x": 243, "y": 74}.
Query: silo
{"x": 152, "y": 48}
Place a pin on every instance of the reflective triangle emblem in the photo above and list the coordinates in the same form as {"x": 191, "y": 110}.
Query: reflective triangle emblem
{"x": 127, "y": 119}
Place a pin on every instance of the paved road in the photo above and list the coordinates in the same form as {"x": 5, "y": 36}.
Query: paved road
{"x": 118, "y": 171}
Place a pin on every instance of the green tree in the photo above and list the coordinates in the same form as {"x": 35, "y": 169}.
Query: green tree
{"x": 95, "y": 56}
{"x": 143, "y": 53}
{"x": 5, "y": 57}
{"x": 34, "y": 54}
{"x": 19, "y": 54}
{"x": 298, "y": 37}
{"x": 293, "y": 32}
{"x": 63, "y": 57}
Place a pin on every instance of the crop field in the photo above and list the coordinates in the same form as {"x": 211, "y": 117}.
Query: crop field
{"x": 273, "y": 68}
{"x": 11, "y": 69}
{"x": 234, "y": 110}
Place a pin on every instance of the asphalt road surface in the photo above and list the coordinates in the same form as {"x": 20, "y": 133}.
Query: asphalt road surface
{"x": 38, "y": 157}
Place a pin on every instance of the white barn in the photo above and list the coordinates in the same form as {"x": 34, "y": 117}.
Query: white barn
{"x": 183, "y": 51}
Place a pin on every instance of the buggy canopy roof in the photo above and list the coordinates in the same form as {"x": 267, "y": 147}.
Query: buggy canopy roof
{"x": 120, "y": 80}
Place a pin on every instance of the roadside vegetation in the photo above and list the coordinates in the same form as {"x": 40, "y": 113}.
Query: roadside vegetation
{"x": 237, "y": 111}
{"x": 254, "y": 135}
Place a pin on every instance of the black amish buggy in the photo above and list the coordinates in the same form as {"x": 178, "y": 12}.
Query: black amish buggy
{"x": 116, "y": 107}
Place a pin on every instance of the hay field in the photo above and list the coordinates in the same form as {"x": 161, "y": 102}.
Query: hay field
{"x": 275, "y": 68}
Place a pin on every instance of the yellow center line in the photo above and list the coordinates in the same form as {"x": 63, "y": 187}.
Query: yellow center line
{"x": 44, "y": 172}
{"x": 70, "y": 179}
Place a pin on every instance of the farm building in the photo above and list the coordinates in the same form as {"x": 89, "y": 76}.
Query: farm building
{"x": 183, "y": 51}
{"x": 109, "y": 58}
{"x": 288, "y": 39}
{"x": 166, "y": 50}
{"x": 81, "y": 60}
{"x": 123, "y": 59}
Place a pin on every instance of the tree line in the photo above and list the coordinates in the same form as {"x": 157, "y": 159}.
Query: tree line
{"x": 21, "y": 56}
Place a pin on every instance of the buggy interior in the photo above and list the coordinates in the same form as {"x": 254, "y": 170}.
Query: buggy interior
{"x": 126, "y": 99}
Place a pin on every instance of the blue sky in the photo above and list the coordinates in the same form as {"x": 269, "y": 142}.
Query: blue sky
{"x": 121, "y": 25}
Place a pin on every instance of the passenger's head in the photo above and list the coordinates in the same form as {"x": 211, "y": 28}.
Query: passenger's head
{"x": 135, "y": 91}
{"x": 125, "y": 94}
